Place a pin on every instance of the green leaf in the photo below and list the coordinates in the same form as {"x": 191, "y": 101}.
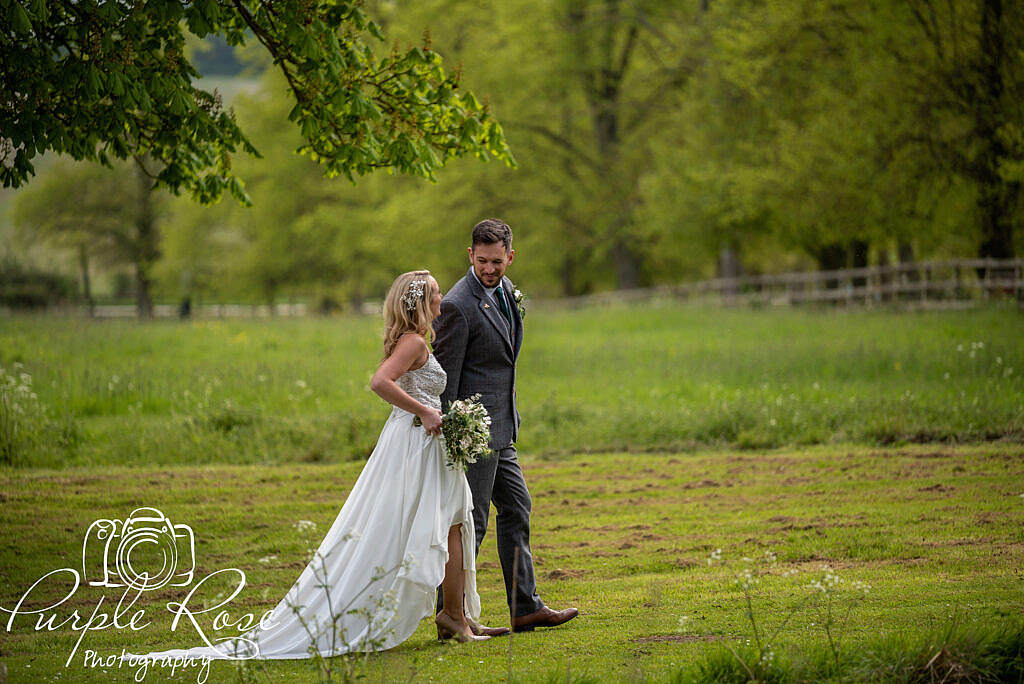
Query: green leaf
{"x": 19, "y": 19}
{"x": 375, "y": 31}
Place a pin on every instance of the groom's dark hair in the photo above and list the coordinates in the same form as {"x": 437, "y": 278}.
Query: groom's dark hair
{"x": 492, "y": 231}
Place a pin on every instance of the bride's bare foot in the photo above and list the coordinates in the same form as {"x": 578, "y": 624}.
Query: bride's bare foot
{"x": 448, "y": 627}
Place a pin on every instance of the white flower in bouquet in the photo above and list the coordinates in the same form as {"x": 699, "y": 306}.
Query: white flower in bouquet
{"x": 466, "y": 430}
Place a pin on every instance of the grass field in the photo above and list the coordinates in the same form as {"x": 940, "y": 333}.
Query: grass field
{"x": 653, "y": 377}
{"x": 937, "y": 533}
{"x": 888, "y": 446}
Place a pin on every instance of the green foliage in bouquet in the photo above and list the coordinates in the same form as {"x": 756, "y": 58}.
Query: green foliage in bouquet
{"x": 466, "y": 430}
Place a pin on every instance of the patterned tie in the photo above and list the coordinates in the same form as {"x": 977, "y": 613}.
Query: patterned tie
{"x": 500, "y": 292}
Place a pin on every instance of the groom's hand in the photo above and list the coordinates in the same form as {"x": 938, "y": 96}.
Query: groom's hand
{"x": 431, "y": 419}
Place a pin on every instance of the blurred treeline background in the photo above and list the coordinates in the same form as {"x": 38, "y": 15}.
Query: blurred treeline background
{"x": 656, "y": 141}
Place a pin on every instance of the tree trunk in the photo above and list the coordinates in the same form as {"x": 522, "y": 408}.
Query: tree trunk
{"x": 998, "y": 196}
{"x": 270, "y": 297}
{"x": 729, "y": 269}
{"x": 627, "y": 265}
{"x": 905, "y": 252}
{"x": 83, "y": 267}
{"x": 997, "y": 222}
{"x": 859, "y": 259}
{"x": 569, "y": 260}
{"x": 905, "y": 255}
{"x": 356, "y": 299}
{"x": 568, "y": 276}
{"x": 610, "y": 56}
{"x": 831, "y": 257}
{"x": 884, "y": 277}
{"x": 146, "y": 248}
{"x": 729, "y": 262}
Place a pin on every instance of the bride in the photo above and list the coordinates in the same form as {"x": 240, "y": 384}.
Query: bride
{"x": 405, "y": 528}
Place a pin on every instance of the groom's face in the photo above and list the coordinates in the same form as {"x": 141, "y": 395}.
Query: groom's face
{"x": 490, "y": 261}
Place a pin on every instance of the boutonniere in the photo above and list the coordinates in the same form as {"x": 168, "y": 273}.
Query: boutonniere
{"x": 520, "y": 298}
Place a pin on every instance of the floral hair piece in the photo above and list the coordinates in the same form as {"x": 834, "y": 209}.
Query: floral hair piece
{"x": 414, "y": 294}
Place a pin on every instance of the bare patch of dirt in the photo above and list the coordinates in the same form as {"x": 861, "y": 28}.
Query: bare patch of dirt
{"x": 561, "y": 574}
{"x": 700, "y": 484}
{"x": 937, "y": 487}
{"x": 992, "y": 517}
{"x": 926, "y": 454}
{"x": 781, "y": 519}
{"x": 817, "y": 524}
{"x": 943, "y": 543}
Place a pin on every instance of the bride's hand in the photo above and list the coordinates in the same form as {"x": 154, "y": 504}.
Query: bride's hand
{"x": 431, "y": 419}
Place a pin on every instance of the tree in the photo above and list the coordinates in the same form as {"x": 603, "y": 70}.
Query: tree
{"x": 102, "y": 80}
{"x": 623, "y": 67}
{"x": 967, "y": 89}
{"x": 107, "y": 215}
{"x": 793, "y": 136}
{"x": 583, "y": 88}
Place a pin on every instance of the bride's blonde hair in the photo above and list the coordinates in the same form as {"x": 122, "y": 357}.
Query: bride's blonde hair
{"x": 412, "y": 288}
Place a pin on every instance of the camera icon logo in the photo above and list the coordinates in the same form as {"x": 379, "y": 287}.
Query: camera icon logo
{"x": 144, "y": 552}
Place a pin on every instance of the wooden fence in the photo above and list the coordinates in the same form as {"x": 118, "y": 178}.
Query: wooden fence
{"x": 297, "y": 309}
{"x": 928, "y": 284}
{"x": 956, "y": 282}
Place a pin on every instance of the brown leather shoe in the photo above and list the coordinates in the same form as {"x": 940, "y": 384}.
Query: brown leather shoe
{"x": 545, "y": 617}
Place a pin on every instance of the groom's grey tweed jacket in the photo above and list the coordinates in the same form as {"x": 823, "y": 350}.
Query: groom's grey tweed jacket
{"x": 473, "y": 344}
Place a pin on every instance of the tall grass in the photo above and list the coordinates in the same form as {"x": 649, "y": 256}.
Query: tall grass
{"x": 657, "y": 376}
{"x": 951, "y": 654}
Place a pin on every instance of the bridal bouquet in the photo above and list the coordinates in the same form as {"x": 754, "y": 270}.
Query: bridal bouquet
{"x": 466, "y": 431}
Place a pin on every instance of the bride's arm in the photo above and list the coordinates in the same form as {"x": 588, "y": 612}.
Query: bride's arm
{"x": 407, "y": 353}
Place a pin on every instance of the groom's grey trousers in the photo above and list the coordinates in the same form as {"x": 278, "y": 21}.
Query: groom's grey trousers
{"x": 503, "y": 478}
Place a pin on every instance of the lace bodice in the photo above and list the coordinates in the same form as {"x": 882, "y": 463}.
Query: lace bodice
{"x": 426, "y": 383}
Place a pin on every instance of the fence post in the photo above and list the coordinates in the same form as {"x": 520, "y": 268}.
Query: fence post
{"x": 1019, "y": 285}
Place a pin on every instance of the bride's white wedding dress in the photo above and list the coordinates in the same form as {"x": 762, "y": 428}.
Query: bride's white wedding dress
{"x": 384, "y": 556}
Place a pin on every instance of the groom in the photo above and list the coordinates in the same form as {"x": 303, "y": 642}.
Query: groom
{"x": 477, "y": 340}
